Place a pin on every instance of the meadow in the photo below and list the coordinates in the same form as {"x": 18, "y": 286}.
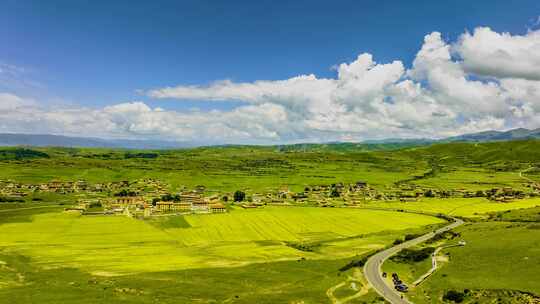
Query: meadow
{"x": 224, "y": 169}
{"x": 498, "y": 264}
{"x": 499, "y": 258}
{"x": 287, "y": 254}
{"x": 259, "y": 168}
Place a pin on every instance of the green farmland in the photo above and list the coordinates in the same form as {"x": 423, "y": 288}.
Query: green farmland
{"x": 112, "y": 244}
{"x": 292, "y": 252}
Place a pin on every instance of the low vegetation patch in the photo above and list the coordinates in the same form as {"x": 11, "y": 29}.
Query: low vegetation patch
{"x": 412, "y": 255}
{"x": 447, "y": 235}
{"x": 517, "y": 215}
{"x": 141, "y": 155}
{"x": 355, "y": 263}
{"x": 21, "y": 153}
{"x": 302, "y": 246}
{"x": 7, "y": 199}
{"x": 454, "y": 296}
{"x": 169, "y": 222}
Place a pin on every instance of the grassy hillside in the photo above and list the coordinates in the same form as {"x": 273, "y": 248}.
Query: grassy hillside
{"x": 223, "y": 168}
{"x": 259, "y": 168}
{"x": 287, "y": 254}
{"x": 500, "y": 261}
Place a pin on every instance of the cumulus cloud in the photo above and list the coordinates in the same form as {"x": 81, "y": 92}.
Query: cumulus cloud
{"x": 440, "y": 95}
{"x": 138, "y": 120}
{"x": 482, "y": 81}
{"x": 11, "y": 102}
{"x": 501, "y": 55}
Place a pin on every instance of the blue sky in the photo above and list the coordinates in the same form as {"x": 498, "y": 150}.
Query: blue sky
{"x": 100, "y": 53}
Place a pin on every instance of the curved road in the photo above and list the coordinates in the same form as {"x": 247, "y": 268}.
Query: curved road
{"x": 372, "y": 268}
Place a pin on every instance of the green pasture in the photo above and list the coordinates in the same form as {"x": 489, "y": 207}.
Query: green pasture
{"x": 304, "y": 281}
{"x": 452, "y": 166}
{"x": 271, "y": 254}
{"x": 218, "y": 168}
{"x": 498, "y": 256}
{"x": 517, "y": 215}
{"x": 473, "y": 179}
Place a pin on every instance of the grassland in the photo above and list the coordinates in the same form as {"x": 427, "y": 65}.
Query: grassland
{"x": 498, "y": 258}
{"x": 471, "y": 166}
{"x": 273, "y": 282}
{"x": 226, "y": 169}
{"x": 498, "y": 264}
{"x": 273, "y": 254}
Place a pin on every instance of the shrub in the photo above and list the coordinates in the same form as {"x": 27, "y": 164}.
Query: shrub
{"x": 141, "y": 155}
{"x": 411, "y": 255}
{"x": 21, "y": 153}
{"x": 409, "y": 237}
{"x": 453, "y": 295}
{"x": 354, "y": 263}
{"x": 7, "y": 199}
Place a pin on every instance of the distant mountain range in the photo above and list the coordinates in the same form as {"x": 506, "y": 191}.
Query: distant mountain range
{"x": 43, "y": 140}
{"x": 46, "y": 140}
{"x": 514, "y": 134}
{"x": 485, "y": 136}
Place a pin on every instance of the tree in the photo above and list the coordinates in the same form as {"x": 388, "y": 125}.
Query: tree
{"x": 225, "y": 198}
{"x": 170, "y": 198}
{"x": 239, "y": 196}
{"x": 334, "y": 193}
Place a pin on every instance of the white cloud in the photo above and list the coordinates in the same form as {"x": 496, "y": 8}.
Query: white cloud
{"x": 501, "y": 55}
{"x": 449, "y": 84}
{"x": 138, "y": 120}
{"x": 436, "y": 97}
{"x": 11, "y": 102}
{"x": 440, "y": 95}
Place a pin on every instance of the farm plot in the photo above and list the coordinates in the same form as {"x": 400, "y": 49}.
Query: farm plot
{"x": 467, "y": 207}
{"x": 118, "y": 245}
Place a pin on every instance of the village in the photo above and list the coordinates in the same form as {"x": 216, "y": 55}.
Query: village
{"x": 150, "y": 197}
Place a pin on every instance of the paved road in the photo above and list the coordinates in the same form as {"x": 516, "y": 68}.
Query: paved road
{"x": 372, "y": 268}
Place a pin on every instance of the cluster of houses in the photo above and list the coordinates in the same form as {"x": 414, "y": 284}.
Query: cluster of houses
{"x": 184, "y": 203}
{"x": 192, "y": 202}
{"x": 148, "y": 197}
{"x": 361, "y": 192}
